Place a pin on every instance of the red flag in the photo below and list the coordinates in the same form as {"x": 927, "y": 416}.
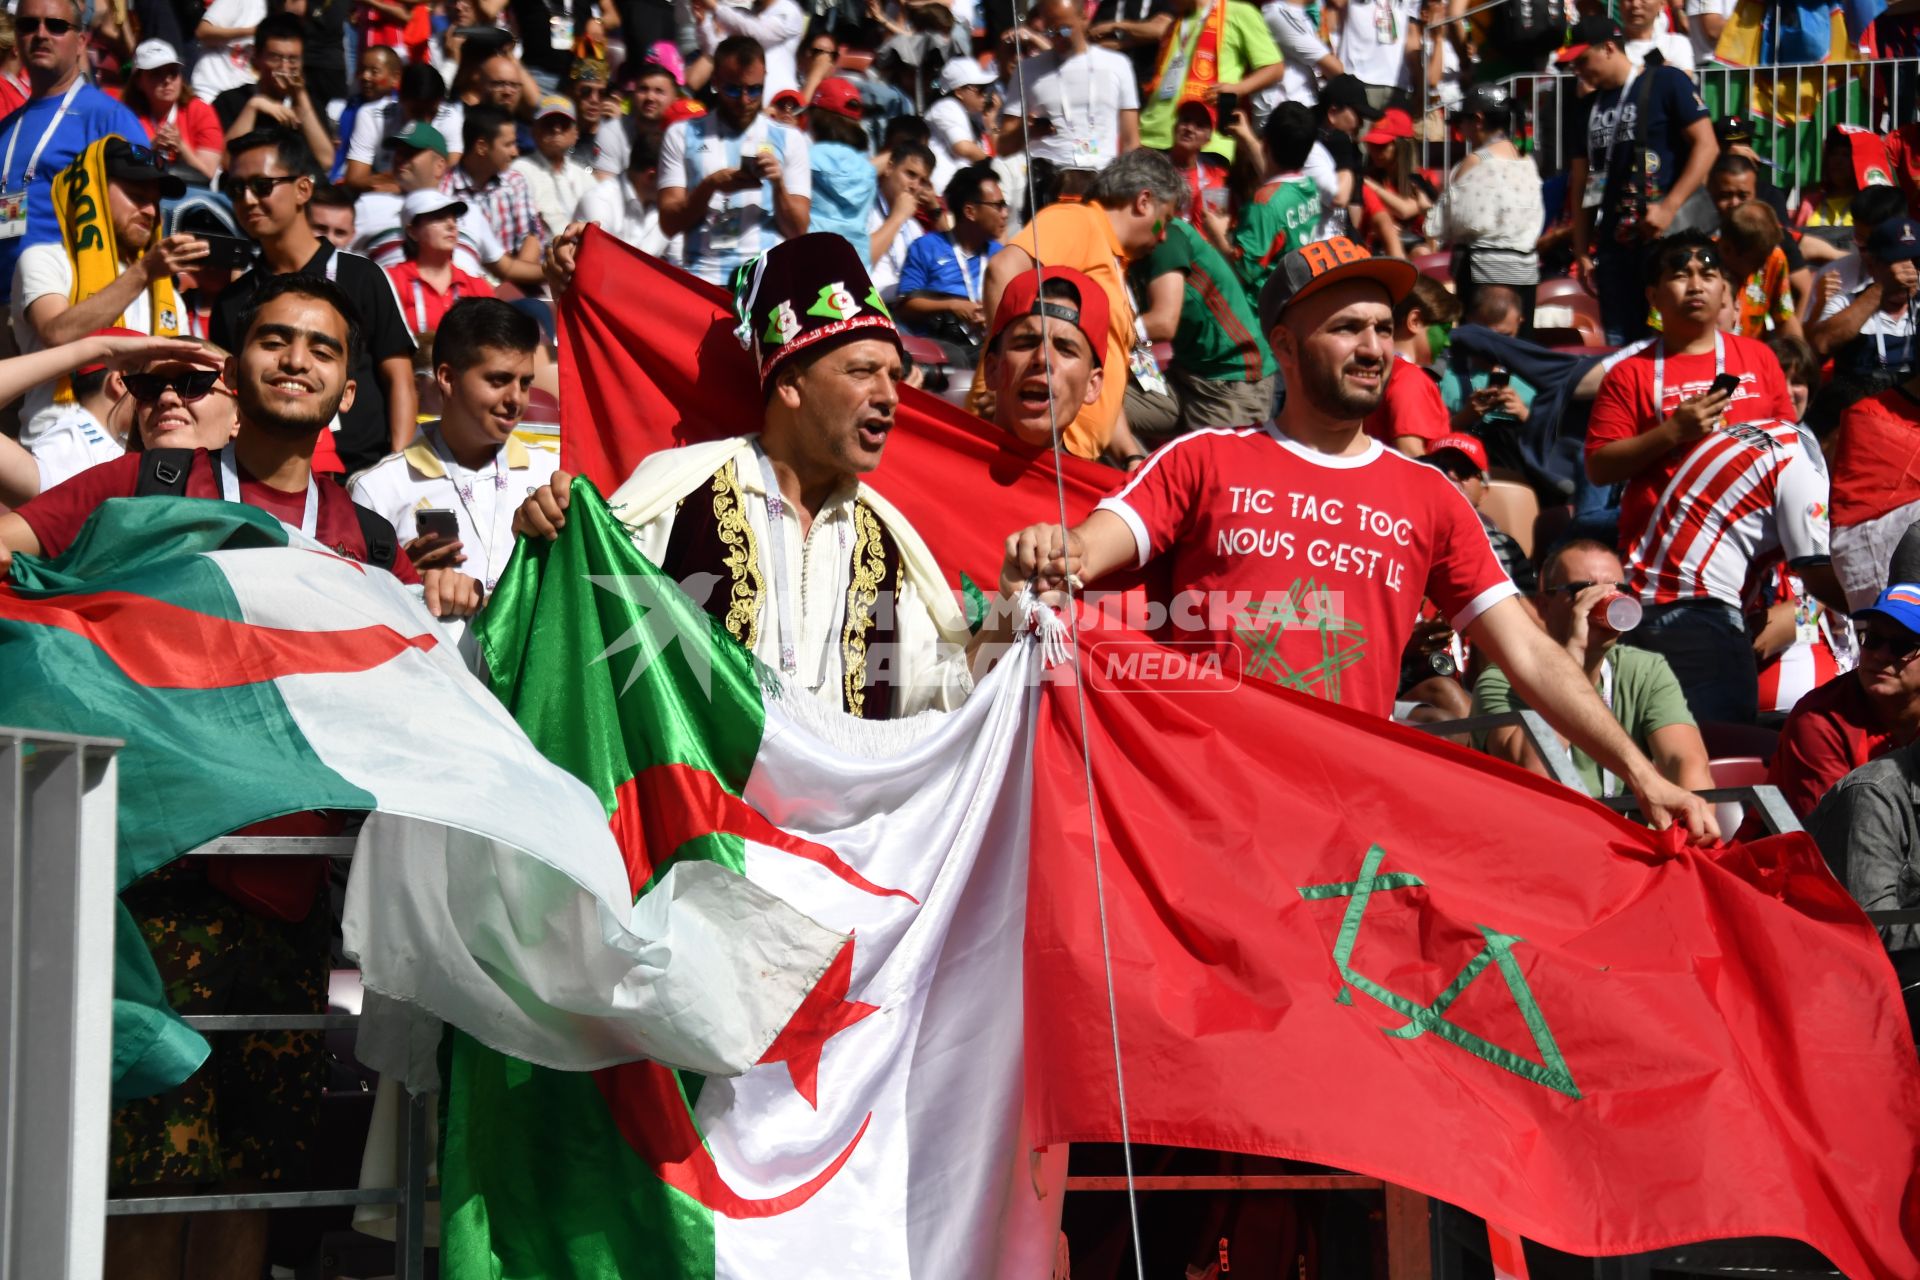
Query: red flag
{"x": 648, "y": 361}
{"x": 1339, "y": 940}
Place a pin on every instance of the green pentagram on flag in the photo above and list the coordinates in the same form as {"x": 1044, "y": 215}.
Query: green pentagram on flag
{"x": 1551, "y": 1071}
{"x": 1306, "y": 606}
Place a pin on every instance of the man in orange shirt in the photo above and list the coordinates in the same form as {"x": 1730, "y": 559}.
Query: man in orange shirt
{"x": 1126, "y": 215}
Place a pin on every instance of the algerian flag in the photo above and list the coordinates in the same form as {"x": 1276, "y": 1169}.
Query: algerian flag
{"x": 254, "y": 673}
{"x": 880, "y": 1136}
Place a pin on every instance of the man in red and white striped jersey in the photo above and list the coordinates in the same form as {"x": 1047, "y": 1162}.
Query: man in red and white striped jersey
{"x": 1715, "y": 479}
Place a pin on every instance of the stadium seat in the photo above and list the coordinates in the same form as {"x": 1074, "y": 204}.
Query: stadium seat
{"x": 1589, "y": 328}
{"x": 1437, "y": 265}
{"x": 1514, "y": 509}
{"x": 1735, "y": 771}
{"x": 924, "y": 351}
{"x": 542, "y": 409}
{"x": 853, "y": 61}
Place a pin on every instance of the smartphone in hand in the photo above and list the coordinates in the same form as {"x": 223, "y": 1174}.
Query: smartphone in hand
{"x": 437, "y": 523}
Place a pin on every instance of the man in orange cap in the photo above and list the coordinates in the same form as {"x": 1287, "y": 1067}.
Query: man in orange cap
{"x": 1301, "y": 551}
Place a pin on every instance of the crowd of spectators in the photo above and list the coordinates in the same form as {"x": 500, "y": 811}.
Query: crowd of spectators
{"x": 1675, "y": 386}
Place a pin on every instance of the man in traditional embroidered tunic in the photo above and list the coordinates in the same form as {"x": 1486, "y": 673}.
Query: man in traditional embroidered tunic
{"x": 809, "y": 568}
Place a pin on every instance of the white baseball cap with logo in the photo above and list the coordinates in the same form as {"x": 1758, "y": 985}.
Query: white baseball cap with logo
{"x": 962, "y": 72}
{"x": 151, "y": 55}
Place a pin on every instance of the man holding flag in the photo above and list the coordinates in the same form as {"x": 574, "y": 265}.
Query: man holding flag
{"x": 816, "y": 574}
{"x": 1334, "y": 539}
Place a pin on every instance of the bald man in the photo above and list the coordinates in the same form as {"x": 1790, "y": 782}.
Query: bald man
{"x": 1302, "y": 551}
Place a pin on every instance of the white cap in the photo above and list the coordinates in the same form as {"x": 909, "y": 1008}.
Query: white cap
{"x": 961, "y": 72}
{"x": 152, "y": 54}
{"x": 420, "y": 203}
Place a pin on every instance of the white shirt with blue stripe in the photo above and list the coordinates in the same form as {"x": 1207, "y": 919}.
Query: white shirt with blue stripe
{"x": 739, "y": 225}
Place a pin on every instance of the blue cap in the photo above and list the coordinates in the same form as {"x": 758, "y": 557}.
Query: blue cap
{"x": 1895, "y": 240}
{"x": 1899, "y": 604}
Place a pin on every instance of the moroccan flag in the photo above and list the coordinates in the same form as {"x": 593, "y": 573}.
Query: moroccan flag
{"x": 648, "y": 361}
{"x": 879, "y": 1136}
{"x": 1342, "y": 941}
{"x": 253, "y": 673}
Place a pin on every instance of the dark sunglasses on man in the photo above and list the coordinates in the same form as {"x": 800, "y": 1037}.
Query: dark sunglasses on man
{"x": 54, "y": 26}
{"x": 743, "y": 90}
{"x": 259, "y": 187}
{"x": 1572, "y": 589}
{"x": 192, "y": 385}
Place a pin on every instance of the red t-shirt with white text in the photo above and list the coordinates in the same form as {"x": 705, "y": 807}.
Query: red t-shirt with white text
{"x": 1312, "y": 566}
{"x": 57, "y": 514}
{"x": 1410, "y": 405}
{"x": 1624, "y": 408}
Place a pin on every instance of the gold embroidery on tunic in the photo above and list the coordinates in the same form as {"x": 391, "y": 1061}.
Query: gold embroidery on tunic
{"x": 863, "y": 592}
{"x": 745, "y": 585}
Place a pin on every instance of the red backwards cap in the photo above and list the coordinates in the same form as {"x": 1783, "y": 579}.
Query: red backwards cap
{"x": 1022, "y": 298}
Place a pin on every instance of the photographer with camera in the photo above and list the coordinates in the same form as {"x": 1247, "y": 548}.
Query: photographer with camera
{"x": 1585, "y": 610}
{"x": 1649, "y": 146}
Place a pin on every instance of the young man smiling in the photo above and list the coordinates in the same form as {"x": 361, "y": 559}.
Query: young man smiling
{"x": 468, "y": 463}
{"x": 1301, "y": 550}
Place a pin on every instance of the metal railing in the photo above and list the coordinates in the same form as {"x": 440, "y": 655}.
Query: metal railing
{"x": 410, "y": 1197}
{"x": 1791, "y": 107}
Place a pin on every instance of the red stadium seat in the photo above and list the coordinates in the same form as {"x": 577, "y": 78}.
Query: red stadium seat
{"x": 542, "y": 409}
{"x": 853, "y": 60}
{"x": 1437, "y": 265}
{"x": 924, "y": 351}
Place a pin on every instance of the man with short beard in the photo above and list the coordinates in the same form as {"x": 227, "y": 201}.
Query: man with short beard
{"x": 805, "y": 564}
{"x": 1301, "y": 550}
{"x": 290, "y": 377}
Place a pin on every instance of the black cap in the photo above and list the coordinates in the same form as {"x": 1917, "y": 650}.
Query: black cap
{"x": 1312, "y": 267}
{"x": 1733, "y": 128}
{"x": 1485, "y": 100}
{"x": 138, "y": 164}
{"x": 1593, "y": 29}
{"x": 1895, "y": 240}
{"x": 1348, "y": 91}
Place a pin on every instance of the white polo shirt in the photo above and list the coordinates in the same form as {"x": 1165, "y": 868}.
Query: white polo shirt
{"x": 425, "y": 475}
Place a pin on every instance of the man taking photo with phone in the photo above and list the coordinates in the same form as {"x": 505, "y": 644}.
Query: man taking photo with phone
{"x": 110, "y": 267}
{"x": 1697, "y": 425}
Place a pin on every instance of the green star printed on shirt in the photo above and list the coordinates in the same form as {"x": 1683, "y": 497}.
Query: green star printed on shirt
{"x": 1306, "y": 606}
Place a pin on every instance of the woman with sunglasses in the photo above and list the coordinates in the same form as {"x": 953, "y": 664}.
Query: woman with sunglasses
{"x": 85, "y": 432}
{"x": 177, "y": 404}
{"x": 183, "y": 129}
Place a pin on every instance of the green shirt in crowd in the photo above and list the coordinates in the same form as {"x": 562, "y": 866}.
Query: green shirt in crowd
{"x": 1645, "y": 698}
{"x": 1219, "y": 335}
{"x": 1283, "y": 215}
{"x": 1246, "y": 45}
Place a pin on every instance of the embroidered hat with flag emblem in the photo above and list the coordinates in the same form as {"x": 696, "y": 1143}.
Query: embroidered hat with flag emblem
{"x": 1312, "y": 267}
{"x": 803, "y": 293}
{"x": 1895, "y": 240}
{"x": 1023, "y": 297}
{"x": 1898, "y": 604}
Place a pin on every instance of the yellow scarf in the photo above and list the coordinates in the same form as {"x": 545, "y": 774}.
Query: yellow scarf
{"x": 86, "y": 229}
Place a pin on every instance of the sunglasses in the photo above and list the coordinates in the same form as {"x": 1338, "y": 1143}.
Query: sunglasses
{"x": 589, "y": 95}
{"x": 52, "y": 26}
{"x": 1572, "y": 589}
{"x": 743, "y": 90}
{"x": 192, "y": 385}
{"x": 260, "y": 188}
{"x": 1901, "y": 645}
{"x": 992, "y": 204}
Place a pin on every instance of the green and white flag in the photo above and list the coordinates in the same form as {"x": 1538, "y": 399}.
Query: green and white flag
{"x": 254, "y": 673}
{"x": 880, "y": 1136}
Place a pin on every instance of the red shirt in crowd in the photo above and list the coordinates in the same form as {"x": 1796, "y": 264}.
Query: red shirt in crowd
{"x": 1875, "y": 467}
{"x": 1311, "y": 567}
{"x": 57, "y": 514}
{"x": 14, "y": 92}
{"x": 1624, "y": 408}
{"x": 1410, "y": 406}
{"x": 199, "y": 127}
{"x": 422, "y": 304}
{"x": 1830, "y": 733}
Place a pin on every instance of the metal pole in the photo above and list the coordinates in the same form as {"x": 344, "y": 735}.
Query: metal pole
{"x": 410, "y": 1221}
{"x": 57, "y": 848}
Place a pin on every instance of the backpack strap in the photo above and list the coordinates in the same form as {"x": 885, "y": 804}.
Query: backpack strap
{"x": 383, "y": 543}
{"x": 163, "y": 473}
